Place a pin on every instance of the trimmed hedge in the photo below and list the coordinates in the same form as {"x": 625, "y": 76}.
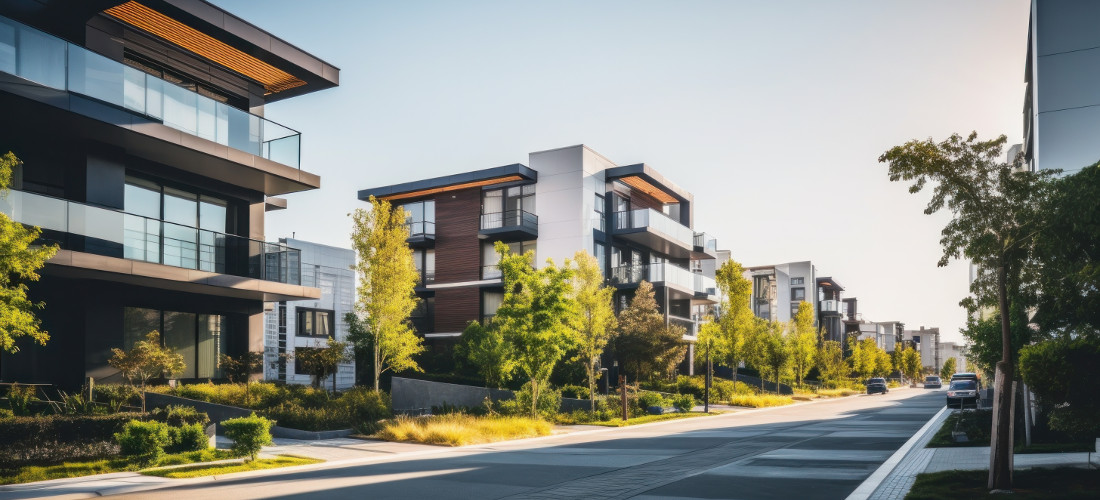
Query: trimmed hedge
{"x": 249, "y": 434}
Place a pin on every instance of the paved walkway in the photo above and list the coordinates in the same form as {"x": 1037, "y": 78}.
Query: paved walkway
{"x": 919, "y": 459}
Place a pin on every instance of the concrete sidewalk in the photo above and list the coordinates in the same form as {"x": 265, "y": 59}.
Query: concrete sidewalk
{"x": 918, "y": 459}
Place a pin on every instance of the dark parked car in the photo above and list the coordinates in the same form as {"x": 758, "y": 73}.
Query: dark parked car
{"x": 932, "y": 382}
{"x": 963, "y": 393}
{"x": 877, "y": 385}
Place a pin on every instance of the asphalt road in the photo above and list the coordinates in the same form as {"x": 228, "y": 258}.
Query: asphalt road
{"x": 820, "y": 450}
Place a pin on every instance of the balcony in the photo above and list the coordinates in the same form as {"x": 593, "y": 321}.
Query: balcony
{"x": 679, "y": 281}
{"x": 656, "y": 231}
{"x": 491, "y": 272}
{"x": 509, "y": 225}
{"x": 100, "y": 231}
{"x": 705, "y": 247}
{"x": 421, "y": 234}
{"x": 831, "y": 307}
{"x": 706, "y": 290}
{"x": 57, "y": 64}
{"x": 690, "y": 326}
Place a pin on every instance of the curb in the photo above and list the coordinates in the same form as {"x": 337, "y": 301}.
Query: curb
{"x": 868, "y": 486}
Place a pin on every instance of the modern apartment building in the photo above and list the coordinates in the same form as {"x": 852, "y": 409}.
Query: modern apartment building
{"x": 927, "y": 341}
{"x": 148, "y": 160}
{"x": 778, "y": 289}
{"x": 293, "y": 326}
{"x": 635, "y": 221}
{"x": 1062, "y": 98}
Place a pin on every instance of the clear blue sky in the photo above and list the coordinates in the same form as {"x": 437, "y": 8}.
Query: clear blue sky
{"x": 772, "y": 113}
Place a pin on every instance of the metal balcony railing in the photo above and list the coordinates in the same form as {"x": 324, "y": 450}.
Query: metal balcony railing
{"x": 705, "y": 284}
{"x": 510, "y": 218}
{"x": 421, "y": 229}
{"x": 654, "y": 273}
{"x": 706, "y": 242}
{"x": 101, "y": 231}
{"x": 55, "y": 63}
{"x": 490, "y": 272}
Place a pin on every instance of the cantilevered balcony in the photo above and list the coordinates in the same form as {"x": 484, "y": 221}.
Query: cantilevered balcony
{"x": 705, "y": 247}
{"x": 509, "y": 225}
{"x": 86, "y": 229}
{"x": 706, "y": 290}
{"x": 679, "y": 281}
{"x": 421, "y": 234}
{"x": 656, "y": 231}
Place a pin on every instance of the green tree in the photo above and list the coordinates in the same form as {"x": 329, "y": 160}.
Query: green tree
{"x": 239, "y": 368}
{"x": 949, "y": 368}
{"x": 911, "y": 364}
{"x": 1068, "y": 248}
{"x": 322, "y": 362}
{"x": 802, "y": 341}
{"x": 20, "y": 262}
{"x": 485, "y": 348}
{"x": 984, "y": 338}
{"x": 776, "y": 352}
{"x": 644, "y": 342}
{"x": 387, "y": 279}
{"x": 146, "y": 360}
{"x": 756, "y": 347}
{"x": 883, "y": 363}
{"x": 594, "y": 316}
{"x": 864, "y": 357}
{"x": 535, "y": 316}
{"x": 996, "y": 213}
{"x": 736, "y": 322}
{"x": 830, "y": 362}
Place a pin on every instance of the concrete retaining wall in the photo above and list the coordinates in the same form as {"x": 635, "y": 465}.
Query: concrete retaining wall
{"x": 410, "y": 395}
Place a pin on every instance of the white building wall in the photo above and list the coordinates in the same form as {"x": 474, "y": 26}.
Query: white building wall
{"x": 330, "y": 269}
{"x": 560, "y": 204}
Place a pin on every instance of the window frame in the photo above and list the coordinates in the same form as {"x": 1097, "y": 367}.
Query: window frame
{"x": 300, "y": 312}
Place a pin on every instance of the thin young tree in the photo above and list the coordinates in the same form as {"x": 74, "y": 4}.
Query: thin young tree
{"x": 594, "y": 316}
{"x": 776, "y": 352}
{"x": 323, "y": 361}
{"x": 949, "y": 368}
{"x": 145, "y": 360}
{"x": 995, "y": 209}
{"x": 830, "y": 362}
{"x": 20, "y": 260}
{"x": 535, "y": 316}
{"x": 644, "y": 342}
{"x": 387, "y": 278}
{"x": 485, "y": 348}
{"x": 736, "y": 323}
{"x": 802, "y": 341}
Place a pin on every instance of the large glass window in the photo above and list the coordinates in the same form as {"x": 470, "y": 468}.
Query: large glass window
{"x": 142, "y": 229}
{"x": 315, "y": 322}
{"x": 211, "y": 344}
{"x": 137, "y": 323}
{"x": 193, "y": 232}
{"x": 602, "y": 224}
{"x": 420, "y": 217}
{"x": 180, "y": 330}
{"x": 200, "y": 338}
{"x": 424, "y": 260}
{"x": 510, "y": 203}
{"x": 490, "y": 302}
{"x": 798, "y": 294}
{"x": 490, "y": 258}
{"x": 601, "y": 254}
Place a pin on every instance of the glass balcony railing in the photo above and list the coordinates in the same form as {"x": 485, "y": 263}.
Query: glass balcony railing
{"x": 650, "y": 218}
{"x": 510, "y": 218}
{"x": 689, "y": 325}
{"x": 831, "y": 306}
{"x": 491, "y": 272}
{"x": 706, "y": 242}
{"x": 705, "y": 284}
{"x": 101, "y": 231}
{"x": 655, "y": 273}
{"x": 53, "y": 62}
{"x": 421, "y": 229}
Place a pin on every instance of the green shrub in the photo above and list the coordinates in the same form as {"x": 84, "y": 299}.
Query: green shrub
{"x": 117, "y": 396}
{"x": 179, "y": 416}
{"x": 574, "y": 391}
{"x": 20, "y": 398}
{"x": 683, "y": 402}
{"x": 547, "y": 406}
{"x": 295, "y": 416}
{"x": 190, "y": 437}
{"x": 45, "y": 439}
{"x": 648, "y": 399}
{"x": 249, "y": 434}
{"x": 367, "y": 408}
{"x": 144, "y": 441}
{"x": 6, "y": 413}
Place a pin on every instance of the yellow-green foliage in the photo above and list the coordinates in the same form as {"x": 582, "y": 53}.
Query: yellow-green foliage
{"x": 458, "y": 429}
{"x": 760, "y": 400}
{"x": 645, "y": 419}
{"x": 219, "y": 469}
{"x": 837, "y": 393}
{"x": 92, "y": 467}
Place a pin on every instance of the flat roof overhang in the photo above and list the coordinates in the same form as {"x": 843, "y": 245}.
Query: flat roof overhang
{"x": 656, "y": 241}
{"x": 70, "y": 116}
{"x": 467, "y": 180}
{"x": 829, "y": 284}
{"x": 70, "y": 264}
{"x": 647, "y": 180}
{"x": 196, "y": 26}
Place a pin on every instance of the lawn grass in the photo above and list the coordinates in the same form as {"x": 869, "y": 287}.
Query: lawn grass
{"x": 760, "y": 400}
{"x": 1060, "y": 483}
{"x": 976, "y": 424}
{"x": 837, "y": 393}
{"x": 645, "y": 419}
{"x": 32, "y": 473}
{"x": 229, "y": 468}
{"x": 460, "y": 429}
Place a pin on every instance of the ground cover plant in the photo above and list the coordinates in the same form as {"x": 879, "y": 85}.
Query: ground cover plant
{"x": 760, "y": 400}
{"x": 975, "y": 424}
{"x": 229, "y": 468}
{"x": 459, "y": 429}
{"x": 77, "y": 468}
{"x": 1061, "y": 483}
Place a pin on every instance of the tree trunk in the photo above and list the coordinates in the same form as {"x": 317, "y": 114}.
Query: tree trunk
{"x": 334, "y": 382}
{"x": 592, "y": 384}
{"x": 377, "y": 365}
{"x": 1000, "y": 454}
{"x": 534, "y": 398}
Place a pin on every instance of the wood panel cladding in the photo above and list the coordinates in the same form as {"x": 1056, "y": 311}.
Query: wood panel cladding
{"x": 457, "y": 247}
{"x": 638, "y": 199}
{"x": 455, "y": 308}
